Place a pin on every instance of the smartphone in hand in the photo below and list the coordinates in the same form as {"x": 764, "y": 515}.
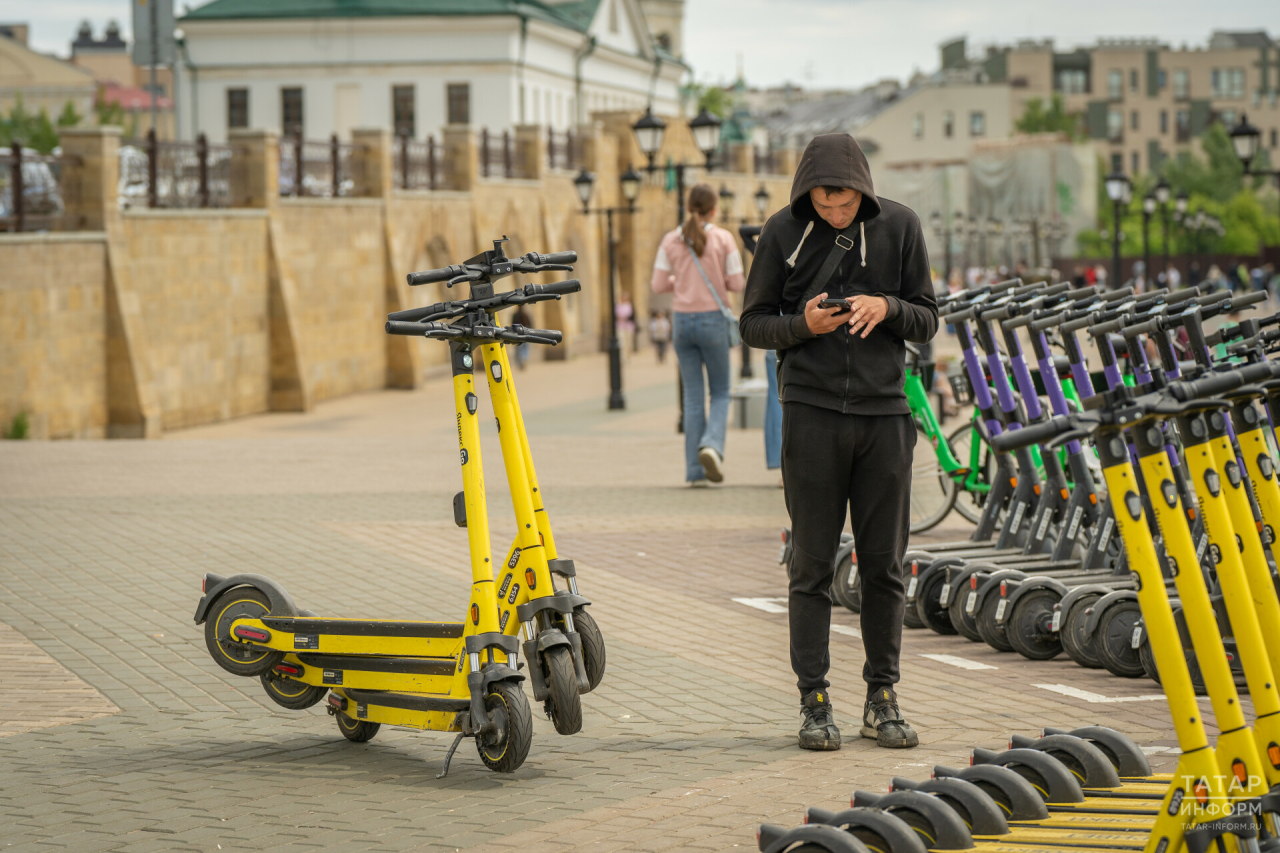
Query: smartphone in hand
{"x": 842, "y": 304}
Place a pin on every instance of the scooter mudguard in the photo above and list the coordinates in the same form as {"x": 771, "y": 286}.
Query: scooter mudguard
{"x": 533, "y": 650}
{"x": 216, "y": 585}
{"x": 1100, "y": 606}
{"x": 1033, "y": 582}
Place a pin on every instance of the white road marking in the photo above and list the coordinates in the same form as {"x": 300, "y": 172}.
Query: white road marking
{"x": 779, "y": 605}
{"x": 1156, "y": 750}
{"x": 1096, "y": 698}
{"x": 768, "y": 605}
{"x": 963, "y": 663}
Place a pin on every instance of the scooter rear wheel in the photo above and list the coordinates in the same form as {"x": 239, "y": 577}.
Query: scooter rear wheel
{"x": 929, "y": 606}
{"x": 991, "y": 631}
{"x": 1113, "y": 639}
{"x": 1076, "y": 641}
{"x": 563, "y": 704}
{"x": 235, "y": 657}
{"x": 1028, "y": 625}
{"x": 593, "y": 652}
{"x": 846, "y": 587}
{"x": 506, "y": 749}
{"x": 961, "y": 619}
{"x": 356, "y": 731}
{"x": 291, "y": 694}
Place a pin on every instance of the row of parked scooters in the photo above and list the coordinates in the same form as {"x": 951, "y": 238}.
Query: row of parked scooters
{"x": 1189, "y": 488}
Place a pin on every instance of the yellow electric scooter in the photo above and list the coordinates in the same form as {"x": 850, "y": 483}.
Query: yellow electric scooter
{"x": 460, "y": 677}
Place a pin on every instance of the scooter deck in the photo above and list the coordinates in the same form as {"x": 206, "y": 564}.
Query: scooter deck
{"x": 1123, "y": 839}
{"x": 352, "y": 636}
{"x": 1085, "y": 820}
{"x": 1109, "y": 806}
{"x": 441, "y": 720}
{"x": 400, "y": 674}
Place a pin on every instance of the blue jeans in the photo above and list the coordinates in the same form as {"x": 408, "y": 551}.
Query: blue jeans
{"x": 772, "y": 414}
{"x": 702, "y": 340}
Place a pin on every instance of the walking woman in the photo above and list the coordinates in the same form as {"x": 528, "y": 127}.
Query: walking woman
{"x": 699, "y": 264}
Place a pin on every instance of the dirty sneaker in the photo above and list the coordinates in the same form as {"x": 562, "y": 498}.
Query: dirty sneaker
{"x": 711, "y": 464}
{"x": 818, "y": 731}
{"x": 882, "y": 720}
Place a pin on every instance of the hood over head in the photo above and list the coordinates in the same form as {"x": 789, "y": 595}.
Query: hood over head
{"x": 833, "y": 160}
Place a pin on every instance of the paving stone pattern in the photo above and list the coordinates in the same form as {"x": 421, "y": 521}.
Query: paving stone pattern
{"x": 129, "y": 738}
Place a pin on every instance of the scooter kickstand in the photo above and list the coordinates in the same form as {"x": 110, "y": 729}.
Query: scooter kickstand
{"x": 448, "y": 756}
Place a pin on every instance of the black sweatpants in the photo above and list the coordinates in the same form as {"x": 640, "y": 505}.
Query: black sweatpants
{"x": 831, "y": 461}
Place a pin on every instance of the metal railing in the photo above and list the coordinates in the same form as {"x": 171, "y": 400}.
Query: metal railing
{"x": 497, "y": 155}
{"x": 564, "y": 151}
{"x": 315, "y": 169}
{"x": 168, "y": 174}
{"x": 30, "y": 195}
{"x": 417, "y": 164}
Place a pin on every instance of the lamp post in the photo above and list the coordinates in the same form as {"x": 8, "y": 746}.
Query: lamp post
{"x": 649, "y": 131}
{"x": 630, "y": 181}
{"x": 1162, "y": 198}
{"x": 1245, "y": 139}
{"x": 726, "y": 203}
{"x": 1148, "y": 209}
{"x": 762, "y": 202}
{"x": 1118, "y": 188}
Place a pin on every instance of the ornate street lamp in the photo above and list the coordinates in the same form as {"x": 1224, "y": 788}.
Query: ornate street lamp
{"x": 629, "y": 182}
{"x": 649, "y": 131}
{"x": 1162, "y": 191}
{"x": 1245, "y": 139}
{"x": 1148, "y": 210}
{"x": 726, "y": 202}
{"x": 1118, "y": 188}
{"x": 762, "y": 201}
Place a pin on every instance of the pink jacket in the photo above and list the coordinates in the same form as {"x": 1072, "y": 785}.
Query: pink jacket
{"x": 674, "y": 270}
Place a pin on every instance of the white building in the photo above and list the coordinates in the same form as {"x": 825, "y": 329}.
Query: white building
{"x": 325, "y": 67}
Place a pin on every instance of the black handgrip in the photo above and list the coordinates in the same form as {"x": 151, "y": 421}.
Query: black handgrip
{"x": 1109, "y": 326}
{"x": 1247, "y": 300}
{"x": 1180, "y": 296}
{"x": 1118, "y": 295}
{"x": 1004, "y": 285}
{"x": 962, "y": 315}
{"x": 1024, "y": 289}
{"x": 1028, "y": 435}
{"x": 1079, "y": 322}
{"x": 558, "y": 288}
{"x": 1218, "y": 383}
{"x": 1150, "y": 327}
{"x": 1001, "y": 312}
{"x": 1053, "y": 318}
{"x": 1213, "y": 298}
{"x": 569, "y": 257}
{"x": 1259, "y": 372}
{"x": 1017, "y": 322}
{"x": 415, "y": 314}
{"x": 553, "y": 336}
{"x": 1084, "y": 292}
{"x": 402, "y": 327}
{"x": 428, "y": 276}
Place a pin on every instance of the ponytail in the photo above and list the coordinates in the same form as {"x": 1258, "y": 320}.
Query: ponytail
{"x": 702, "y": 202}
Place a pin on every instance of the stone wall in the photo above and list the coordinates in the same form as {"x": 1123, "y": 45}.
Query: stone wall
{"x": 53, "y": 333}
{"x": 164, "y": 319}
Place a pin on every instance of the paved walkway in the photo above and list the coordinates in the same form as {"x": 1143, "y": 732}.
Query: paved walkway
{"x": 128, "y": 738}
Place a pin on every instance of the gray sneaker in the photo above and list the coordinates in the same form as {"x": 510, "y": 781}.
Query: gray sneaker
{"x": 882, "y": 720}
{"x": 818, "y": 730}
{"x": 712, "y": 464}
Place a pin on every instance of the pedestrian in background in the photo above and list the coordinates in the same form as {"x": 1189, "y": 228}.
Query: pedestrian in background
{"x": 523, "y": 318}
{"x": 699, "y": 264}
{"x": 624, "y": 314}
{"x": 660, "y": 333}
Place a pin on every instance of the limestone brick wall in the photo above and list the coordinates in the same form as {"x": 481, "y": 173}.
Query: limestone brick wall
{"x": 53, "y": 333}
{"x": 334, "y": 250}
{"x": 201, "y": 282}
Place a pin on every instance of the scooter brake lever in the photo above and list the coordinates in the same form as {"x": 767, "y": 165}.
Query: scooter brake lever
{"x": 1070, "y": 435}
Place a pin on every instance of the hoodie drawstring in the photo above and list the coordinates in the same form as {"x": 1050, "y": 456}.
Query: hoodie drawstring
{"x": 791, "y": 261}
{"x": 862, "y": 234}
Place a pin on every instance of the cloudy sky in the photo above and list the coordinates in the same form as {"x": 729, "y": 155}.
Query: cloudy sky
{"x": 826, "y": 43}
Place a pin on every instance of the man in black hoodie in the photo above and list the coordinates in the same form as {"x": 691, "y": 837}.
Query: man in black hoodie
{"x": 847, "y": 432}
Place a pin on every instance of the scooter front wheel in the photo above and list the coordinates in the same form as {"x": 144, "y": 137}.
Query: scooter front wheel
{"x": 235, "y": 657}
{"x": 356, "y": 731}
{"x": 291, "y": 694}
{"x": 563, "y": 704}
{"x": 593, "y": 653}
{"x": 507, "y": 747}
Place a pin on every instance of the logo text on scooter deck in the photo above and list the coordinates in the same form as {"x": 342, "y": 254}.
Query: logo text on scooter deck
{"x": 332, "y": 676}
{"x": 502, "y": 621}
{"x": 306, "y": 641}
{"x": 506, "y": 582}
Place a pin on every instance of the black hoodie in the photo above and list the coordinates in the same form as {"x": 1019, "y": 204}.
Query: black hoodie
{"x": 837, "y": 370}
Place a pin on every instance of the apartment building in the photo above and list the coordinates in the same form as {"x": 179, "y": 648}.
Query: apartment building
{"x": 1143, "y": 100}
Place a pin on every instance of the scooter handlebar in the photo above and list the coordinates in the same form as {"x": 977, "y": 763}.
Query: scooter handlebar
{"x": 1033, "y": 434}
{"x": 443, "y": 274}
{"x": 559, "y": 288}
{"x": 537, "y": 259}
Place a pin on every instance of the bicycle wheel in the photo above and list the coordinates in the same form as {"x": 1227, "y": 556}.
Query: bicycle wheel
{"x": 969, "y": 504}
{"x": 933, "y": 493}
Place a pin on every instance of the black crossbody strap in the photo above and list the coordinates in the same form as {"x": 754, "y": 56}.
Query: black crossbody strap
{"x": 842, "y": 245}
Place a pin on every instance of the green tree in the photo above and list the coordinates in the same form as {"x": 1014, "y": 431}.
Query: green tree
{"x": 69, "y": 117}
{"x": 28, "y": 129}
{"x": 1055, "y": 119}
{"x": 714, "y": 99}
{"x": 1220, "y": 175}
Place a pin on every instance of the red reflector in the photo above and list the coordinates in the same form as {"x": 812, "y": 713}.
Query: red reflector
{"x": 252, "y": 634}
{"x": 973, "y": 581}
{"x": 1036, "y": 489}
{"x": 915, "y": 568}
{"x": 287, "y": 669}
{"x": 204, "y": 584}
{"x": 971, "y": 759}
{"x": 1003, "y": 591}
{"x": 1013, "y": 481}
{"x": 806, "y": 817}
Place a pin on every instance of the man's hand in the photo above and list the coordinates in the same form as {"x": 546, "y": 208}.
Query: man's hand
{"x": 823, "y": 320}
{"x": 868, "y": 311}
